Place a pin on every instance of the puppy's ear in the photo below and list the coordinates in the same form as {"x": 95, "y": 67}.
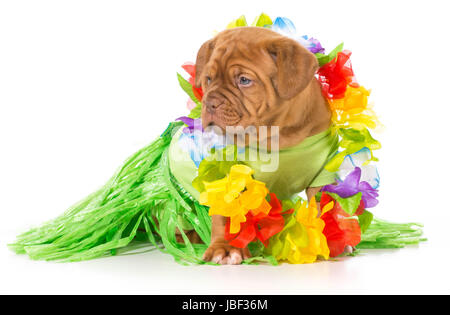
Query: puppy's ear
{"x": 295, "y": 66}
{"x": 203, "y": 55}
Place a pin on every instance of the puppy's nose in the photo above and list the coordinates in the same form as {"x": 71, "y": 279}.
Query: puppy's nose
{"x": 212, "y": 103}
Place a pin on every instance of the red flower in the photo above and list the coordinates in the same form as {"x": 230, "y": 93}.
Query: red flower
{"x": 340, "y": 230}
{"x": 360, "y": 208}
{"x": 335, "y": 75}
{"x": 260, "y": 227}
{"x": 190, "y": 69}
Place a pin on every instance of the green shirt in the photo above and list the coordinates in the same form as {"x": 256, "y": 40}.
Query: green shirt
{"x": 299, "y": 167}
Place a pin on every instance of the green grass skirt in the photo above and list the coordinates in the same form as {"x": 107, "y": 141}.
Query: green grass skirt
{"x": 143, "y": 205}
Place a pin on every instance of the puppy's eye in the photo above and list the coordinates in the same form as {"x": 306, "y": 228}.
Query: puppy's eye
{"x": 208, "y": 80}
{"x": 244, "y": 81}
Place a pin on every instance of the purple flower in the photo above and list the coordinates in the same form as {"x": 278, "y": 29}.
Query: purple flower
{"x": 192, "y": 124}
{"x": 314, "y": 45}
{"x": 351, "y": 186}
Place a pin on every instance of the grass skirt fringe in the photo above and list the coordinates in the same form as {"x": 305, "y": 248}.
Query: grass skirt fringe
{"x": 143, "y": 202}
{"x": 383, "y": 234}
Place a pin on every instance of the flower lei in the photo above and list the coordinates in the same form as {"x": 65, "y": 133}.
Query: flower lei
{"x": 297, "y": 234}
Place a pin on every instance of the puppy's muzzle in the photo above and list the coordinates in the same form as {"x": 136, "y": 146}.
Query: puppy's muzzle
{"x": 212, "y": 104}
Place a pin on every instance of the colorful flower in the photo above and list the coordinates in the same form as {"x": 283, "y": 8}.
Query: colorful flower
{"x": 239, "y": 22}
{"x": 355, "y": 98}
{"x": 189, "y": 67}
{"x": 263, "y": 20}
{"x": 336, "y": 75}
{"x": 261, "y": 226}
{"x": 351, "y": 186}
{"x": 286, "y": 27}
{"x": 369, "y": 173}
{"x": 199, "y": 144}
{"x": 352, "y": 110}
{"x": 340, "y": 229}
{"x": 192, "y": 124}
{"x": 301, "y": 241}
{"x": 353, "y": 140}
{"x": 236, "y": 195}
{"x": 313, "y": 45}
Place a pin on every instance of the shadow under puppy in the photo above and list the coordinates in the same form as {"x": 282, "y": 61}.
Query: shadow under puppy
{"x": 255, "y": 77}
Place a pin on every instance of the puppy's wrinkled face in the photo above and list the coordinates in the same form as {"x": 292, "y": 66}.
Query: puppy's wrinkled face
{"x": 248, "y": 73}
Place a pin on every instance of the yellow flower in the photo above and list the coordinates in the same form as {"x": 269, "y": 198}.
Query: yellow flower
{"x": 241, "y": 21}
{"x": 354, "y": 98}
{"x": 235, "y": 195}
{"x": 301, "y": 240}
{"x": 353, "y": 110}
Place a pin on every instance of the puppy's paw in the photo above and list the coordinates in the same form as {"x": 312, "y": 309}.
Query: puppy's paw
{"x": 349, "y": 249}
{"x": 220, "y": 252}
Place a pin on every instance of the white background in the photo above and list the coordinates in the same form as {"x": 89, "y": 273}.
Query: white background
{"x": 84, "y": 84}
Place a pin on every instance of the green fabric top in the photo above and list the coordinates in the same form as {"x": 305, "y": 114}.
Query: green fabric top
{"x": 299, "y": 167}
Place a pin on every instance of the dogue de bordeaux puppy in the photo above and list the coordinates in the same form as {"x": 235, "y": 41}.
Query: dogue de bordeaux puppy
{"x": 254, "y": 76}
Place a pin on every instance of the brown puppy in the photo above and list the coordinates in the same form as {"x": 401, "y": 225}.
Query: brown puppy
{"x": 255, "y": 77}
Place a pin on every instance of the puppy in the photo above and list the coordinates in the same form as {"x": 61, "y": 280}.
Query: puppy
{"x": 255, "y": 77}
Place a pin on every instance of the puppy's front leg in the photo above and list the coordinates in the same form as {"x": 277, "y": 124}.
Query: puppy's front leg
{"x": 311, "y": 193}
{"x": 220, "y": 251}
